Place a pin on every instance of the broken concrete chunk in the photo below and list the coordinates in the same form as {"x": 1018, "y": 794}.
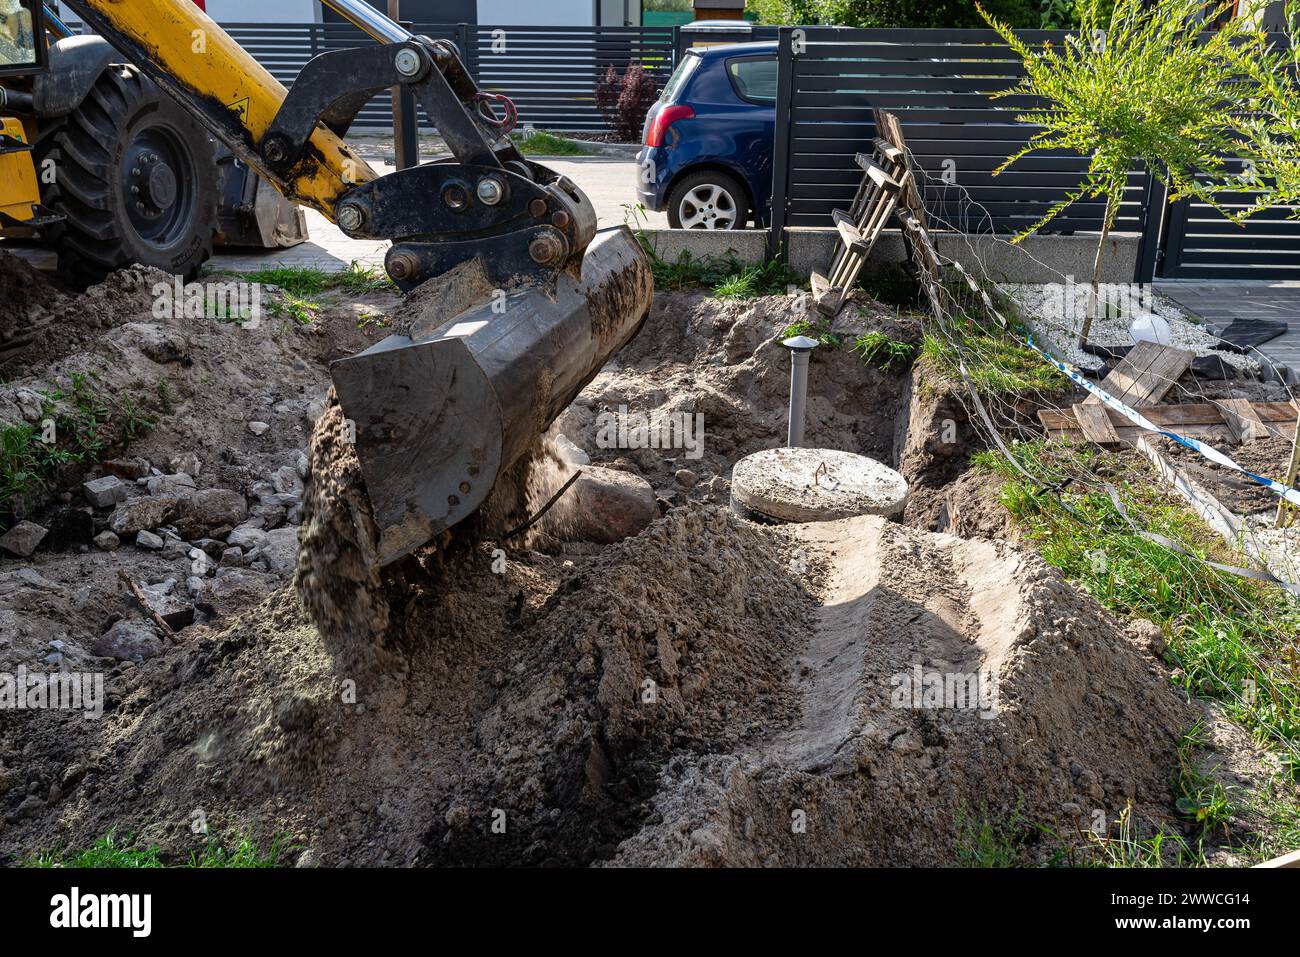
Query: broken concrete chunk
{"x": 159, "y": 344}
{"x": 247, "y": 537}
{"x": 131, "y": 639}
{"x": 149, "y": 511}
{"x": 186, "y": 462}
{"x": 107, "y": 540}
{"x": 286, "y": 480}
{"x": 212, "y": 508}
{"x": 171, "y": 608}
{"x": 606, "y": 506}
{"x": 30, "y": 403}
{"x": 22, "y": 539}
{"x": 104, "y": 492}
{"x": 178, "y": 484}
{"x": 570, "y": 452}
{"x": 33, "y": 578}
{"x": 280, "y": 552}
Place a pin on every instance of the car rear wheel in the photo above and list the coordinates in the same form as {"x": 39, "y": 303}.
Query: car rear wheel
{"x": 708, "y": 200}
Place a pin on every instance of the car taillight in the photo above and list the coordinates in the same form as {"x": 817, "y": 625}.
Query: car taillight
{"x": 665, "y": 118}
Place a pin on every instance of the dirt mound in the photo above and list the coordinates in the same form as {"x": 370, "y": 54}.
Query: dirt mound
{"x": 1054, "y": 714}
{"x": 673, "y": 700}
{"x": 53, "y": 323}
{"x": 701, "y": 364}
{"x": 543, "y": 691}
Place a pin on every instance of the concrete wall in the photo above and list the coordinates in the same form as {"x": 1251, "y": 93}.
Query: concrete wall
{"x": 1037, "y": 259}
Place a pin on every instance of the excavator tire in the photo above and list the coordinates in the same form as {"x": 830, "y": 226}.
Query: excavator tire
{"x": 134, "y": 177}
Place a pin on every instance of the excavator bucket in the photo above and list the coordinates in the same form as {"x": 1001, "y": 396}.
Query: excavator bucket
{"x": 439, "y": 411}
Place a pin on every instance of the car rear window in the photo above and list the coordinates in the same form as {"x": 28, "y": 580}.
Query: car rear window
{"x": 679, "y": 78}
{"x": 754, "y": 79}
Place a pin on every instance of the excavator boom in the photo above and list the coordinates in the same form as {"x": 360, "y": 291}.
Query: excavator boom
{"x": 441, "y": 409}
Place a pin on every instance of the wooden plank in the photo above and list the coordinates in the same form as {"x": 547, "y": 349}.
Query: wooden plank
{"x": 1145, "y": 375}
{"x": 1280, "y": 415}
{"x": 1242, "y": 420}
{"x": 1095, "y": 424}
{"x": 888, "y": 150}
{"x": 849, "y": 233}
{"x": 1212, "y": 434}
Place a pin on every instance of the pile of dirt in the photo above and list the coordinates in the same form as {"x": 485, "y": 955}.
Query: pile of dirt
{"x": 706, "y": 691}
{"x": 716, "y": 370}
{"x": 193, "y": 431}
{"x": 43, "y": 321}
{"x": 675, "y": 699}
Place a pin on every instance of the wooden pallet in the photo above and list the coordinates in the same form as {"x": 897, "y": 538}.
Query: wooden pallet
{"x": 1220, "y": 421}
{"x": 888, "y": 186}
{"x": 860, "y": 228}
{"x": 1145, "y": 375}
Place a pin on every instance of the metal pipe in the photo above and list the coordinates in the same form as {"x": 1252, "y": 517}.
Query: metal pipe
{"x": 800, "y": 348}
{"x": 369, "y": 20}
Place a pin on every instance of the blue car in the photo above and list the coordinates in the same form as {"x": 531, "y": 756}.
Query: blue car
{"x": 707, "y": 158}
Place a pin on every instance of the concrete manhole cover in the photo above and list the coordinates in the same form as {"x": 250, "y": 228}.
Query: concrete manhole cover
{"x": 814, "y": 485}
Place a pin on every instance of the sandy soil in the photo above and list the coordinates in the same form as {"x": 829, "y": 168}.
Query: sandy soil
{"x": 708, "y": 691}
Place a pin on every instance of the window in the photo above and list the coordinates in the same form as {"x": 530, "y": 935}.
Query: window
{"x": 679, "y": 78}
{"x": 17, "y": 34}
{"x": 754, "y": 79}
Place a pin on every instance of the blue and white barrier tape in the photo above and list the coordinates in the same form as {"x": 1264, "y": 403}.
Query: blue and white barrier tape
{"x": 1288, "y": 493}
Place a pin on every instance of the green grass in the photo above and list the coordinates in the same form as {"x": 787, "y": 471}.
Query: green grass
{"x": 1203, "y": 800}
{"x": 772, "y": 278}
{"x": 108, "y": 852}
{"x": 1127, "y": 847}
{"x": 982, "y": 842}
{"x": 884, "y": 353}
{"x": 998, "y": 365}
{"x": 87, "y": 423}
{"x": 819, "y": 329}
{"x": 1230, "y": 639}
{"x": 542, "y": 143}
{"x": 299, "y": 287}
{"x": 725, "y": 277}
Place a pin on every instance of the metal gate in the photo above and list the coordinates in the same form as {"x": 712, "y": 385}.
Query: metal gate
{"x": 1199, "y": 242}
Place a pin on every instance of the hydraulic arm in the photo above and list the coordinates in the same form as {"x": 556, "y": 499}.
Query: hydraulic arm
{"x": 443, "y": 408}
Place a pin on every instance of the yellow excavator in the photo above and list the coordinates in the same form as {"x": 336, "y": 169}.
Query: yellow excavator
{"x": 541, "y": 298}
{"x": 100, "y": 165}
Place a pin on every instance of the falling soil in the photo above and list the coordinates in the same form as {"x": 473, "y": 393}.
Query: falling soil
{"x": 708, "y": 691}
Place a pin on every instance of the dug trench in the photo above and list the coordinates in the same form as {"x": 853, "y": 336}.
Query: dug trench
{"x": 643, "y": 678}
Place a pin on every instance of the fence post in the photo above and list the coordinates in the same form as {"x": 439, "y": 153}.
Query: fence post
{"x": 781, "y": 144}
{"x": 1155, "y": 199}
